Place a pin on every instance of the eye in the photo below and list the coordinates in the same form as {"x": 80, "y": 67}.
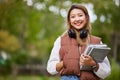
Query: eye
{"x": 72, "y": 16}
{"x": 80, "y": 15}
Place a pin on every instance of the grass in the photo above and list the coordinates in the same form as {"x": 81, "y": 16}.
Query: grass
{"x": 29, "y": 78}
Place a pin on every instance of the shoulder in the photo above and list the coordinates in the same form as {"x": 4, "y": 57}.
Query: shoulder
{"x": 95, "y": 39}
{"x": 61, "y": 37}
{"x": 57, "y": 41}
{"x": 64, "y": 35}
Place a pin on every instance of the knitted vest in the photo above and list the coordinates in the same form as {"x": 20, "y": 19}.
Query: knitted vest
{"x": 70, "y": 54}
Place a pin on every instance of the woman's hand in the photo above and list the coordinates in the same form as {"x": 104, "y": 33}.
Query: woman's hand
{"x": 59, "y": 66}
{"x": 87, "y": 60}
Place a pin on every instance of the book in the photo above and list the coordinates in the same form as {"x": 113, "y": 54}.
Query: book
{"x": 98, "y": 52}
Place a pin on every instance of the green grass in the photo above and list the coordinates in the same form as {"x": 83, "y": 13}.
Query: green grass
{"x": 29, "y": 77}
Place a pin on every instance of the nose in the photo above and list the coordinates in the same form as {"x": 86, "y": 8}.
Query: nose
{"x": 77, "y": 18}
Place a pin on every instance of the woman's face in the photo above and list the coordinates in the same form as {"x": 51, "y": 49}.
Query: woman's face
{"x": 77, "y": 18}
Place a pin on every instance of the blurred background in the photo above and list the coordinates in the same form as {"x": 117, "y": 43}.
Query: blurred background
{"x": 28, "y": 29}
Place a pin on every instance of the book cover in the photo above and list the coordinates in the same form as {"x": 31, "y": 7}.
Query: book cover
{"x": 98, "y": 52}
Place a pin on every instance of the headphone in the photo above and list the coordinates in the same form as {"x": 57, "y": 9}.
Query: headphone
{"x": 83, "y": 33}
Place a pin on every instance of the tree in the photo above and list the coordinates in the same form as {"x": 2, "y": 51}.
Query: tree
{"x": 38, "y": 24}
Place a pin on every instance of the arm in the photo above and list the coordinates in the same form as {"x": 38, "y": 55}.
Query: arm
{"x": 104, "y": 69}
{"x": 54, "y": 58}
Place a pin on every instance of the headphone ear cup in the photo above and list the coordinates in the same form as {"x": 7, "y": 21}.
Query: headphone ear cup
{"x": 71, "y": 33}
{"x": 83, "y": 33}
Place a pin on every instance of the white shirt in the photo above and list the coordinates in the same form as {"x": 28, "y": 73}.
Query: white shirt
{"x": 103, "y": 71}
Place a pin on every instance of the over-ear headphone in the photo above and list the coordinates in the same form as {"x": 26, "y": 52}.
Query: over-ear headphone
{"x": 83, "y": 33}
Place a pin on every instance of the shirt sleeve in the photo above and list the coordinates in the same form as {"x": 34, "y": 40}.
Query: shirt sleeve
{"x": 54, "y": 57}
{"x": 104, "y": 69}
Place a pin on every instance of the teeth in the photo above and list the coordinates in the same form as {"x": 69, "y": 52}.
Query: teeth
{"x": 78, "y": 24}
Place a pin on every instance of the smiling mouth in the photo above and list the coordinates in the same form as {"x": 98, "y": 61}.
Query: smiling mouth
{"x": 78, "y": 23}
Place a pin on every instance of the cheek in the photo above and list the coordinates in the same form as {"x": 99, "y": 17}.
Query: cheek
{"x": 71, "y": 21}
{"x": 83, "y": 18}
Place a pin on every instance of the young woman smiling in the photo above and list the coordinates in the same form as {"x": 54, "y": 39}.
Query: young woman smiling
{"x": 67, "y": 53}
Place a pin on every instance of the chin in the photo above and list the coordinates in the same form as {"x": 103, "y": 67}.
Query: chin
{"x": 78, "y": 28}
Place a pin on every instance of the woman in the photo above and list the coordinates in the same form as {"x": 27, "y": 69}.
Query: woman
{"x": 67, "y": 54}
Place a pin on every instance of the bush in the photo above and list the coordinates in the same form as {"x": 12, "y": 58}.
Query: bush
{"x": 5, "y": 68}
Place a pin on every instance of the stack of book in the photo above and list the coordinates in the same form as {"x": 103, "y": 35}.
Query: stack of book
{"x": 98, "y": 52}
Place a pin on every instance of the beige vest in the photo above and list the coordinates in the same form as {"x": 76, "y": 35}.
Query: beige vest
{"x": 70, "y": 54}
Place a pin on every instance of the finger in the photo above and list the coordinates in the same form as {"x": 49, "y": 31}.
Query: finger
{"x": 81, "y": 57}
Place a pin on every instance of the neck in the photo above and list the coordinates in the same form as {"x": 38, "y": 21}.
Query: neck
{"x": 84, "y": 41}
